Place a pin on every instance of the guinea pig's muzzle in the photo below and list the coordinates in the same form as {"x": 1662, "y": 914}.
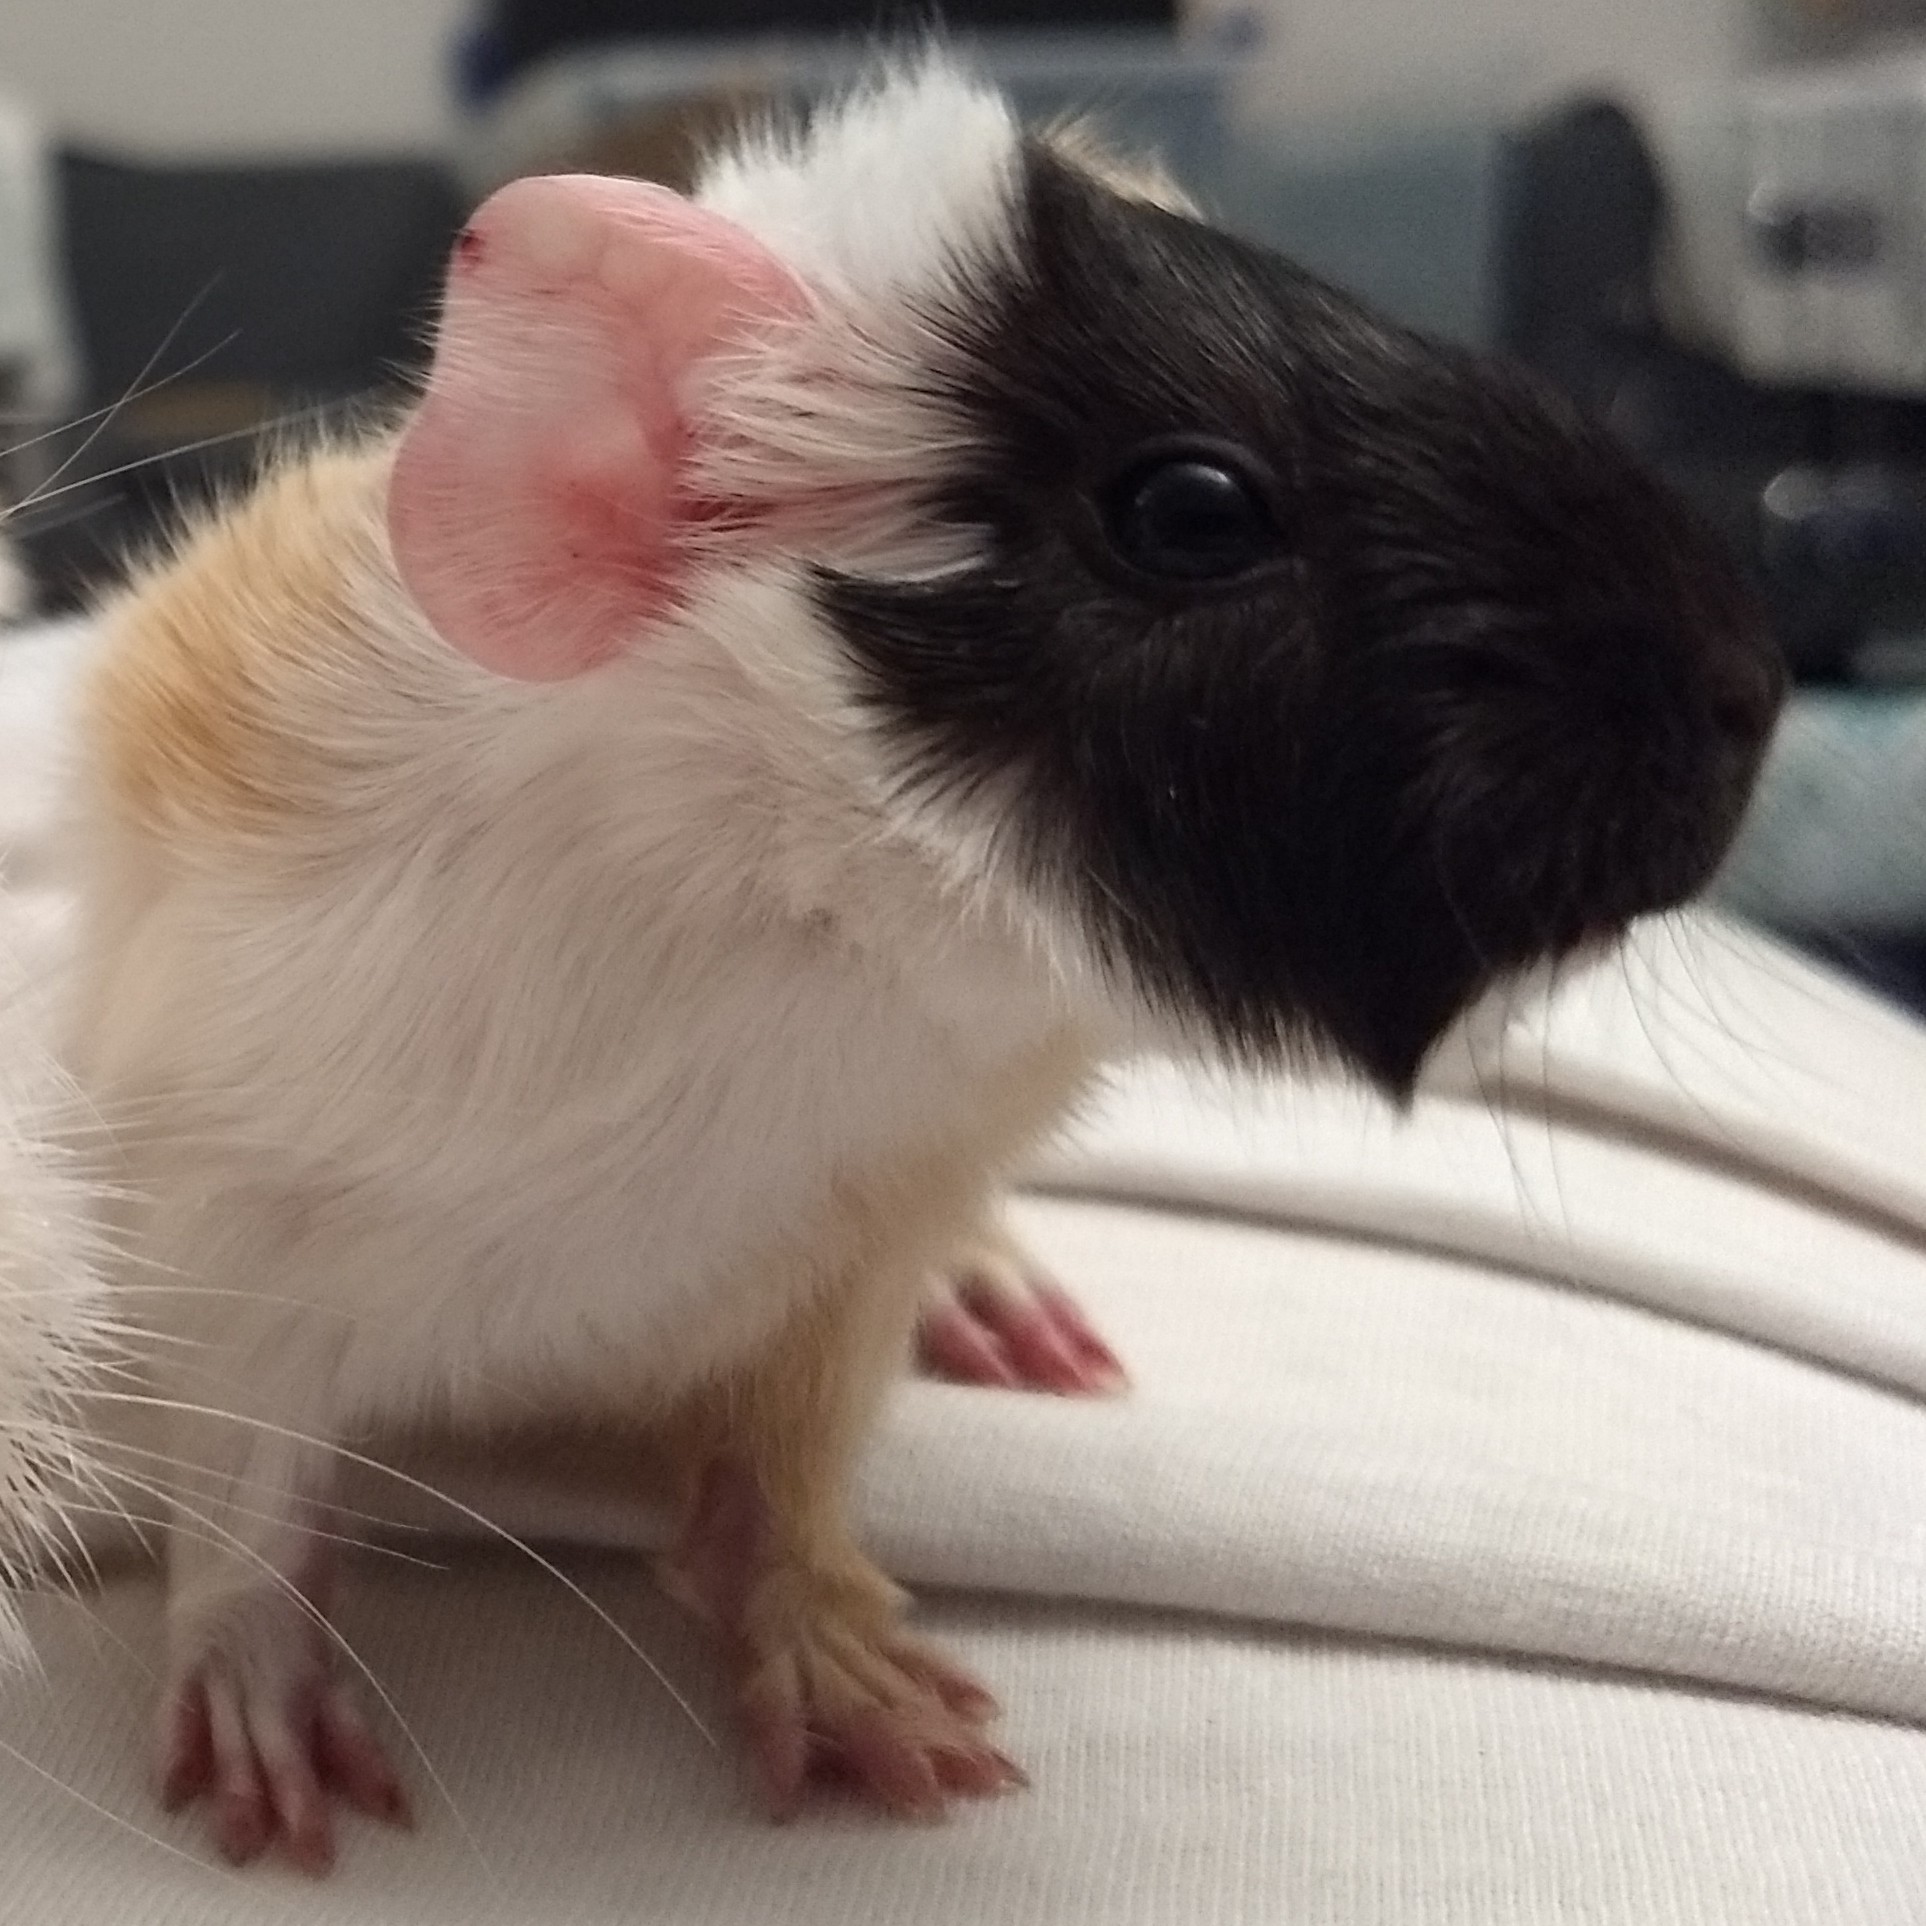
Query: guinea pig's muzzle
{"x": 1607, "y": 786}
{"x": 1675, "y": 764}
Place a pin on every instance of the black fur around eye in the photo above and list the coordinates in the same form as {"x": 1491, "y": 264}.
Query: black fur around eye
{"x": 1190, "y": 516}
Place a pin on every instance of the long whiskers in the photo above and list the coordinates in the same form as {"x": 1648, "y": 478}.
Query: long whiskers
{"x": 107, "y": 1813}
{"x": 210, "y": 1531}
{"x": 468, "y": 1513}
{"x": 109, "y": 415}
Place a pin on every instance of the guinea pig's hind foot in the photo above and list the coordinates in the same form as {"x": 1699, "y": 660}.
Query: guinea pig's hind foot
{"x": 255, "y": 1722}
{"x": 830, "y": 1686}
{"x": 994, "y": 1316}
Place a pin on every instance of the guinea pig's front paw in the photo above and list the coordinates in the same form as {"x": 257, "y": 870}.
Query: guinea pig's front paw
{"x": 993, "y": 1315}
{"x": 830, "y": 1687}
{"x": 255, "y": 1723}
{"x": 834, "y": 1689}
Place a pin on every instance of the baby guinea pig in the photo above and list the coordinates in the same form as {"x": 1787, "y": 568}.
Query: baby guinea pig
{"x": 1316, "y": 676}
{"x": 594, "y": 893}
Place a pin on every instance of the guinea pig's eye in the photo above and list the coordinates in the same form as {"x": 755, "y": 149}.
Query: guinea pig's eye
{"x": 1190, "y": 516}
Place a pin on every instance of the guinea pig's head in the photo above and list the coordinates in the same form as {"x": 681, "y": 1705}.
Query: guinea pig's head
{"x": 1328, "y": 674}
{"x": 1312, "y": 676}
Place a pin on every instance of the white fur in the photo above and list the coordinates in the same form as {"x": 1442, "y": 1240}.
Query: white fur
{"x": 885, "y": 210}
{"x": 51, "y": 1303}
{"x": 894, "y": 209}
{"x": 608, "y": 981}
{"x": 496, "y": 1021}
{"x": 886, "y": 192}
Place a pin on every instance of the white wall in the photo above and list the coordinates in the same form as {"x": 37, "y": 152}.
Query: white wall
{"x": 213, "y": 75}
{"x": 191, "y": 75}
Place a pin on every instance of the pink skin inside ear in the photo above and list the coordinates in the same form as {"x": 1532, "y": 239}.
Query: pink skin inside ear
{"x": 536, "y": 501}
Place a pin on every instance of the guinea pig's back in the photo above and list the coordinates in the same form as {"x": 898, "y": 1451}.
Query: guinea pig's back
{"x": 218, "y": 703}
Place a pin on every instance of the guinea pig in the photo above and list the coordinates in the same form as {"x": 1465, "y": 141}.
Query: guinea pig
{"x": 594, "y": 890}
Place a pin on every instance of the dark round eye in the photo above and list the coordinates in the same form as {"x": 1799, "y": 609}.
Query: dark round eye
{"x": 1190, "y": 518}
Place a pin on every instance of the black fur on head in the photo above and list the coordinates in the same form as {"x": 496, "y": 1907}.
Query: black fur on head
{"x": 1326, "y": 674}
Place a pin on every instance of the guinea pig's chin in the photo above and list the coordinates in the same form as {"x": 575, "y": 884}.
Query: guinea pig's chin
{"x": 1464, "y": 1054}
{"x": 1396, "y": 1061}
{"x": 1472, "y": 1049}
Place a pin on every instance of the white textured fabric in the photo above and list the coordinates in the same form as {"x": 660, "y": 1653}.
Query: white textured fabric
{"x": 1515, "y": 1519}
{"x": 1188, "y": 1773}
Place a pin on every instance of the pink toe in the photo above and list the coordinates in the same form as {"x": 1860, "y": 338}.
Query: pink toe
{"x": 955, "y": 1687}
{"x": 350, "y": 1761}
{"x": 243, "y": 1819}
{"x": 1026, "y": 1332}
{"x": 187, "y": 1748}
{"x": 957, "y": 1345}
{"x": 896, "y": 1769}
{"x": 301, "y": 1810}
{"x": 979, "y": 1772}
{"x": 1102, "y": 1370}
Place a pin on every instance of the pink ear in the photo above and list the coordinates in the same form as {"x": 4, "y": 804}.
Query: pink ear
{"x": 536, "y": 501}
